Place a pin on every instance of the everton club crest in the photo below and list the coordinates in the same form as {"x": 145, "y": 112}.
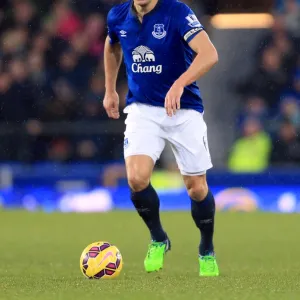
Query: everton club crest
{"x": 159, "y": 31}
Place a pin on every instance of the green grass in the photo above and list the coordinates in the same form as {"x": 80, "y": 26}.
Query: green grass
{"x": 258, "y": 256}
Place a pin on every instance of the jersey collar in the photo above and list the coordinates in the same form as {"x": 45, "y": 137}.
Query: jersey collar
{"x": 133, "y": 14}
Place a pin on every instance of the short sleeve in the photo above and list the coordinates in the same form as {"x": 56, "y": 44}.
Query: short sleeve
{"x": 111, "y": 24}
{"x": 189, "y": 25}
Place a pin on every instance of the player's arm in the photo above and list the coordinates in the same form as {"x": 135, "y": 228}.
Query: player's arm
{"x": 206, "y": 58}
{"x": 112, "y": 62}
{"x": 192, "y": 32}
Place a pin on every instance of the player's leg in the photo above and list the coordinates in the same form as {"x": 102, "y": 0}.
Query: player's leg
{"x": 203, "y": 213}
{"x": 143, "y": 195}
{"x": 142, "y": 147}
{"x": 146, "y": 201}
{"x": 190, "y": 146}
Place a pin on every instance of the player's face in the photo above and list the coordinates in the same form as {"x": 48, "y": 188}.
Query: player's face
{"x": 143, "y": 3}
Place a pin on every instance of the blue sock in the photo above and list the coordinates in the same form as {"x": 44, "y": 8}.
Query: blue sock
{"x": 146, "y": 203}
{"x": 203, "y": 214}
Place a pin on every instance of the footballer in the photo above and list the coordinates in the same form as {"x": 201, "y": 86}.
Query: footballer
{"x": 166, "y": 50}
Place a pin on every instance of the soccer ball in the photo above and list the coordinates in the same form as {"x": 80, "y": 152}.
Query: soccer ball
{"x": 101, "y": 260}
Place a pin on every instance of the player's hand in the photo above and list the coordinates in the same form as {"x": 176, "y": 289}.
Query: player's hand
{"x": 172, "y": 101}
{"x": 111, "y": 104}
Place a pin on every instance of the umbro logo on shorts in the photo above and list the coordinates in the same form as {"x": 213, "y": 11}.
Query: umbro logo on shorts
{"x": 126, "y": 143}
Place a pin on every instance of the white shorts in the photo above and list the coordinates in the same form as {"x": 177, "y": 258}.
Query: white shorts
{"x": 148, "y": 128}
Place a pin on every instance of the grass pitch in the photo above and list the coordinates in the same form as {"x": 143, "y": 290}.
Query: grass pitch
{"x": 258, "y": 256}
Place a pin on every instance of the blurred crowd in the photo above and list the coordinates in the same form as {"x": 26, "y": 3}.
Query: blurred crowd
{"x": 51, "y": 71}
{"x": 269, "y": 119}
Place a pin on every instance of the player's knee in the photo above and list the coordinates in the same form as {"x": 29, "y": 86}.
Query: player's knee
{"x": 198, "y": 190}
{"x": 138, "y": 182}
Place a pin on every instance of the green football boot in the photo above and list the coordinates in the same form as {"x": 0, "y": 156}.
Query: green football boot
{"x": 154, "y": 260}
{"x": 208, "y": 266}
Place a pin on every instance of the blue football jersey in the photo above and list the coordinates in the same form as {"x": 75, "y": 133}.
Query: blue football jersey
{"x": 156, "y": 51}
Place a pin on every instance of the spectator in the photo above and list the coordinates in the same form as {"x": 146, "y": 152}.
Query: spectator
{"x": 291, "y": 12}
{"x": 268, "y": 80}
{"x": 38, "y": 78}
{"x": 13, "y": 43}
{"x": 60, "y": 150}
{"x": 251, "y": 152}
{"x": 25, "y": 16}
{"x": 63, "y": 22}
{"x": 280, "y": 4}
{"x": 285, "y": 46}
{"x": 296, "y": 85}
{"x": 87, "y": 150}
{"x": 94, "y": 32}
{"x": 93, "y": 108}
{"x": 18, "y": 94}
{"x": 289, "y": 112}
{"x": 255, "y": 107}
{"x": 286, "y": 146}
{"x": 63, "y": 106}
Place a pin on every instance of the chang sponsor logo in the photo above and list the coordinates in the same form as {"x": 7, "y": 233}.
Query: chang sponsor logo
{"x": 141, "y": 57}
